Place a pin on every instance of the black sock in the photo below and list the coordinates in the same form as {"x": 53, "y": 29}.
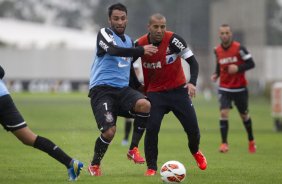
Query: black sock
{"x": 100, "y": 149}
{"x": 248, "y": 127}
{"x": 127, "y": 128}
{"x": 54, "y": 151}
{"x": 138, "y": 129}
{"x": 223, "y": 130}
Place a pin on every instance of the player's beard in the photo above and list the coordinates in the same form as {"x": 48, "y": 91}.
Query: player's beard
{"x": 119, "y": 29}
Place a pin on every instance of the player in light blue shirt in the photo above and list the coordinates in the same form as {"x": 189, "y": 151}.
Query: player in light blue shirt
{"x": 109, "y": 91}
{"x": 12, "y": 120}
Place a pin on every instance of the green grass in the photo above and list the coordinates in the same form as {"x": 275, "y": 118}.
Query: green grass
{"x": 67, "y": 120}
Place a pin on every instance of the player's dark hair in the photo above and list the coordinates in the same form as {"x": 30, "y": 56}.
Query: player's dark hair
{"x": 117, "y": 6}
{"x": 225, "y": 25}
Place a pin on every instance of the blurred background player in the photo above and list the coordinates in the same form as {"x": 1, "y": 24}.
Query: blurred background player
{"x": 166, "y": 88}
{"x": 127, "y": 128}
{"x": 232, "y": 60}
{"x": 12, "y": 120}
{"x": 128, "y": 121}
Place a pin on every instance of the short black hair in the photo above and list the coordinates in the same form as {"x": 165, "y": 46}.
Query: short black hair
{"x": 224, "y": 25}
{"x": 117, "y": 6}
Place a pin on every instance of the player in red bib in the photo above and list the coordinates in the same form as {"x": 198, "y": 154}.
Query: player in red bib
{"x": 232, "y": 60}
{"x": 166, "y": 87}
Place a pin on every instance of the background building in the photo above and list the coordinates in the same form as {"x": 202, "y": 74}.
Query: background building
{"x": 60, "y": 42}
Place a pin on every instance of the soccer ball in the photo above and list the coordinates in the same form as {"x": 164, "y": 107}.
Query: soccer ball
{"x": 173, "y": 172}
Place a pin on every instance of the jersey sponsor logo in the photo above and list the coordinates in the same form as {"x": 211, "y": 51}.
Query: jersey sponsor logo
{"x": 227, "y": 60}
{"x": 103, "y": 45}
{"x": 178, "y": 44}
{"x": 152, "y": 65}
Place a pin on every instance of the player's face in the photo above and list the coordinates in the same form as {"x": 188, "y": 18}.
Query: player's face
{"x": 157, "y": 28}
{"x": 118, "y": 21}
{"x": 225, "y": 35}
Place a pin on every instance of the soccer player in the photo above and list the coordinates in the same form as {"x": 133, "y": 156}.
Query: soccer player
{"x": 127, "y": 127}
{"x": 12, "y": 120}
{"x": 166, "y": 87}
{"x": 109, "y": 79}
{"x": 232, "y": 60}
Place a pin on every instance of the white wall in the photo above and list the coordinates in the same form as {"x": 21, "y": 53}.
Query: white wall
{"x": 273, "y": 64}
{"x": 46, "y": 64}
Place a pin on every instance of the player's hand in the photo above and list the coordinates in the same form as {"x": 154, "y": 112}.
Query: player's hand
{"x": 150, "y": 49}
{"x": 232, "y": 69}
{"x": 141, "y": 88}
{"x": 214, "y": 77}
{"x": 191, "y": 89}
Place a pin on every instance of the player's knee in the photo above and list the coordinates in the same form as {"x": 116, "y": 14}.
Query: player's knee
{"x": 224, "y": 114}
{"x": 110, "y": 133}
{"x": 143, "y": 105}
{"x": 245, "y": 116}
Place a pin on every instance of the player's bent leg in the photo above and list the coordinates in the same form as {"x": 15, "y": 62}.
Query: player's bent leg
{"x": 247, "y": 121}
{"x": 100, "y": 149}
{"x": 194, "y": 141}
{"x": 140, "y": 122}
{"x": 151, "y": 151}
{"x": 29, "y": 138}
{"x": 139, "y": 127}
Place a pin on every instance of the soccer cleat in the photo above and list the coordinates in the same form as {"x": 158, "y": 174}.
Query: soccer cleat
{"x": 252, "y": 146}
{"x": 94, "y": 170}
{"x": 74, "y": 170}
{"x": 134, "y": 155}
{"x": 201, "y": 160}
{"x": 223, "y": 148}
{"x": 150, "y": 172}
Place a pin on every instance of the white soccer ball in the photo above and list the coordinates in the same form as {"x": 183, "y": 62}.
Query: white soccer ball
{"x": 173, "y": 172}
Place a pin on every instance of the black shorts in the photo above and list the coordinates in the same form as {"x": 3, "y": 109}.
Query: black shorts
{"x": 175, "y": 100}
{"x": 109, "y": 102}
{"x": 240, "y": 100}
{"x": 10, "y": 117}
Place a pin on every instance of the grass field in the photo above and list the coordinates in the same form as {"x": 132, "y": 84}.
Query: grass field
{"x": 67, "y": 120}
